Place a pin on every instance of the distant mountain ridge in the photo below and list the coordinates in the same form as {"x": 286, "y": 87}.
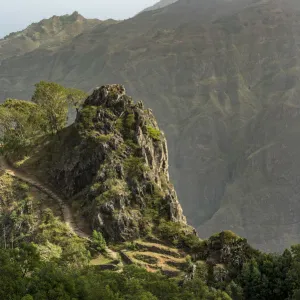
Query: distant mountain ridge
{"x": 160, "y": 4}
{"x": 48, "y": 33}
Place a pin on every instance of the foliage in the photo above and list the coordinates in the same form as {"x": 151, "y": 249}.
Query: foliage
{"x": 125, "y": 125}
{"x": 179, "y": 235}
{"x": 87, "y": 114}
{"x": 24, "y": 275}
{"x": 52, "y": 98}
{"x": 154, "y": 133}
{"x": 135, "y": 167}
{"x": 70, "y": 249}
{"x": 23, "y": 122}
{"x": 98, "y": 242}
{"x": 19, "y": 122}
{"x": 75, "y": 97}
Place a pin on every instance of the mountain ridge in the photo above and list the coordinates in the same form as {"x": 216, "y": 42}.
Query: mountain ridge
{"x": 48, "y": 33}
{"x": 160, "y": 4}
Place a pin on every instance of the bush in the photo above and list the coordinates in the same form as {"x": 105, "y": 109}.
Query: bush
{"x": 135, "y": 167}
{"x": 98, "y": 242}
{"x": 87, "y": 114}
{"x": 154, "y": 133}
{"x": 179, "y": 235}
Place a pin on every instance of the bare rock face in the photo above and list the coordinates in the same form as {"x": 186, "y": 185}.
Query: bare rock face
{"x": 113, "y": 163}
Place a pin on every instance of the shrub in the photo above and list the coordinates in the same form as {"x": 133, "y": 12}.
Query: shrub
{"x": 135, "y": 167}
{"x": 87, "y": 115}
{"x": 126, "y": 125}
{"x": 98, "y": 242}
{"x": 154, "y": 133}
{"x": 179, "y": 235}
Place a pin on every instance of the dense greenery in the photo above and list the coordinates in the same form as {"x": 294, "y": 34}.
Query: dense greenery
{"x": 24, "y": 275}
{"x": 23, "y": 122}
{"x": 53, "y": 100}
{"x": 41, "y": 258}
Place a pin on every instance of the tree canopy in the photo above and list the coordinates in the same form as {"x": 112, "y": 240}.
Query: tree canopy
{"x": 23, "y": 122}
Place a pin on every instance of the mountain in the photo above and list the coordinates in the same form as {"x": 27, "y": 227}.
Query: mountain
{"x": 160, "y": 4}
{"x": 100, "y": 187}
{"x": 222, "y": 79}
{"x": 88, "y": 211}
{"x": 113, "y": 164}
{"x": 49, "y": 33}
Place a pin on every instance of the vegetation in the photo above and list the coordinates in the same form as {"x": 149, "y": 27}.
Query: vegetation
{"x": 125, "y": 125}
{"x": 180, "y": 236}
{"x": 135, "y": 167}
{"x": 24, "y": 275}
{"x": 98, "y": 242}
{"x": 53, "y": 100}
{"x": 154, "y": 133}
{"x": 22, "y": 123}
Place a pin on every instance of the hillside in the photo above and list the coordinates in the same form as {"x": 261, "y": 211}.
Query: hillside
{"x": 223, "y": 84}
{"x": 88, "y": 211}
{"x": 113, "y": 164}
{"x": 160, "y": 4}
{"x": 49, "y": 34}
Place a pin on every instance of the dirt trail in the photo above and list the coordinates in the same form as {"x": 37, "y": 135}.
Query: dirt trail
{"x": 65, "y": 209}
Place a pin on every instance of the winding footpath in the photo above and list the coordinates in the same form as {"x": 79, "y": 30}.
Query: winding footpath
{"x": 65, "y": 209}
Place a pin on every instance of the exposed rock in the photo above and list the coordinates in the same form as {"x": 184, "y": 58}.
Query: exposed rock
{"x": 117, "y": 155}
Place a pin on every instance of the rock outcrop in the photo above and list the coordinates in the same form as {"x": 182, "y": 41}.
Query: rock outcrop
{"x": 113, "y": 163}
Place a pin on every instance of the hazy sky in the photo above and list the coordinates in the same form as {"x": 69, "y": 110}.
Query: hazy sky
{"x": 18, "y": 14}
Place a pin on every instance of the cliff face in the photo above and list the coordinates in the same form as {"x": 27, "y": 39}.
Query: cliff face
{"x": 113, "y": 164}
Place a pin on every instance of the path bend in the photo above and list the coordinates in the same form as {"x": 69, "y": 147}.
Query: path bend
{"x": 65, "y": 209}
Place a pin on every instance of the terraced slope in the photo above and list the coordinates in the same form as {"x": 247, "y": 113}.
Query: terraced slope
{"x": 156, "y": 257}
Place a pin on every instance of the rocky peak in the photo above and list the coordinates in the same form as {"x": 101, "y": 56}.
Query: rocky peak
{"x": 113, "y": 163}
{"x": 49, "y": 33}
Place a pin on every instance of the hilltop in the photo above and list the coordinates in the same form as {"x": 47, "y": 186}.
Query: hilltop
{"x": 48, "y": 34}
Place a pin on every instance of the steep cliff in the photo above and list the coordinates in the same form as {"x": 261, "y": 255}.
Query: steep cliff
{"x": 112, "y": 163}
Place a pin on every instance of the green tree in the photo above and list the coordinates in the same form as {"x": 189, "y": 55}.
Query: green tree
{"x": 76, "y": 97}
{"x": 52, "y": 98}
{"x": 98, "y": 242}
{"x": 21, "y": 124}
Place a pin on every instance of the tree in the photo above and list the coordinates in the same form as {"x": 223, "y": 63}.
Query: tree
{"x": 52, "y": 99}
{"x": 19, "y": 123}
{"x": 98, "y": 242}
{"x": 75, "y": 97}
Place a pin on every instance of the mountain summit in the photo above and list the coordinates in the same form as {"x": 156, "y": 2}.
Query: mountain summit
{"x": 113, "y": 164}
{"x": 48, "y": 33}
